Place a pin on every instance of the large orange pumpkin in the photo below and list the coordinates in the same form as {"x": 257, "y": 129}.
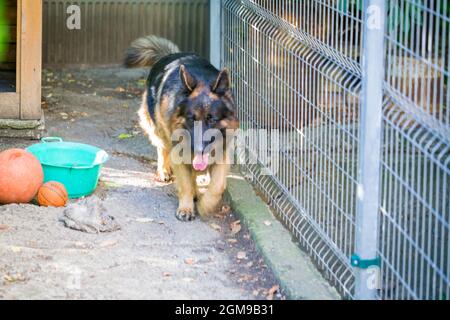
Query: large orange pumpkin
{"x": 21, "y": 176}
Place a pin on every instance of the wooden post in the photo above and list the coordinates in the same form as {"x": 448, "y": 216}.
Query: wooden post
{"x": 30, "y": 58}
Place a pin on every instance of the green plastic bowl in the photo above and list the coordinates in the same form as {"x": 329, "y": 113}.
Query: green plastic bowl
{"x": 77, "y": 166}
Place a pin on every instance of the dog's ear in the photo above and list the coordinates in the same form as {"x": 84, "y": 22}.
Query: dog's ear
{"x": 188, "y": 80}
{"x": 222, "y": 83}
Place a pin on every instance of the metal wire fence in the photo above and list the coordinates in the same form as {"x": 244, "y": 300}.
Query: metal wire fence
{"x": 298, "y": 69}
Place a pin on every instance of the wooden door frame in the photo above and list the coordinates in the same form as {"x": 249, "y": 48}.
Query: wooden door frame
{"x": 25, "y": 103}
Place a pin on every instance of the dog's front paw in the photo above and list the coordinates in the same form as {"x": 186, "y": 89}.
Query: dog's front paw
{"x": 185, "y": 214}
{"x": 164, "y": 177}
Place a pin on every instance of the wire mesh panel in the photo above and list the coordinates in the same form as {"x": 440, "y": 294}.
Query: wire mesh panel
{"x": 296, "y": 69}
{"x": 415, "y": 200}
{"x": 295, "y": 72}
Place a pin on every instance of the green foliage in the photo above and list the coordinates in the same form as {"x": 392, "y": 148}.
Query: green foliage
{"x": 123, "y": 136}
{"x": 401, "y": 18}
{"x": 401, "y": 15}
{"x": 4, "y": 30}
{"x": 345, "y": 5}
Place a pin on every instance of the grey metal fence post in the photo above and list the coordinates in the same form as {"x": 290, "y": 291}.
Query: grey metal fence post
{"x": 365, "y": 257}
{"x": 215, "y": 34}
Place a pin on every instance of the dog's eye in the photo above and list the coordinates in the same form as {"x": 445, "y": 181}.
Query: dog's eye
{"x": 210, "y": 118}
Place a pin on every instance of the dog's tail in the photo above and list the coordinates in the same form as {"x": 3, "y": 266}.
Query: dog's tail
{"x": 145, "y": 51}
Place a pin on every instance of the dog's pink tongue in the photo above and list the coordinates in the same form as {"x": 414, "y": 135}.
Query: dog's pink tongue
{"x": 200, "y": 162}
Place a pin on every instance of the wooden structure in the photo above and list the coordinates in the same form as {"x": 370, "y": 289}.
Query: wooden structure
{"x": 109, "y": 26}
{"x": 22, "y": 99}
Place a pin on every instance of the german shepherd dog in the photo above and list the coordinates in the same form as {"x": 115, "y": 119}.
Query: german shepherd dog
{"x": 185, "y": 92}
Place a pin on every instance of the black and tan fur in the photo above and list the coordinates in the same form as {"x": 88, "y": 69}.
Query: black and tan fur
{"x": 183, "y": 88}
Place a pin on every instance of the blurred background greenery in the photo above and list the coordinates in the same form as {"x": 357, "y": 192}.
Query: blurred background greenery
{"x": 4, "y": 34}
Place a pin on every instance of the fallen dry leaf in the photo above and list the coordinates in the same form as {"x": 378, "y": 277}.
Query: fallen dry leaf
{"x": 215, "y": 227}
{"x": 245, "y": 278}
{"x": 232, "y": 240}
{"x": 144, "y": 220}
{"x": 189, "y": 261}
{"x": 108, "y": 243}
{"x": 32, "y": 243}
{"x": 120, "y": 89}
{"x": 80, "y": 244}
{"x": 16, "y": 249}
{"x": 13, "y": 277}
{"x": 235, "y": 227}
{"x": 272, "y": 291}
{"x": 241, "y": 255}
{"x": 124, "y": 136}
{"x": 3, "y": 227}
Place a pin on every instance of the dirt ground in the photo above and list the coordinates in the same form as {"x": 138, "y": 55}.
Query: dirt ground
{"x": 153, "y": 256}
